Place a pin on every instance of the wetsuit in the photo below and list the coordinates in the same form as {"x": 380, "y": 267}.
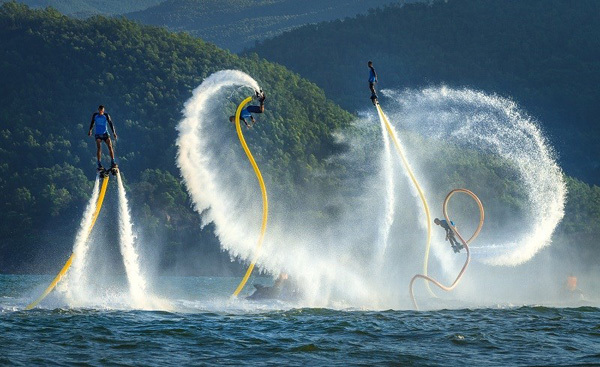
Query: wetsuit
{"x": 445, "y": 225}
{"x": 456, "y": 246}
{"x": 101, "y": 122}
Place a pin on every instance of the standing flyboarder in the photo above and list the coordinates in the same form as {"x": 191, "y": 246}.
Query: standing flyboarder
{"x": 101, "y": 120}
{"x": 372, "y": 82}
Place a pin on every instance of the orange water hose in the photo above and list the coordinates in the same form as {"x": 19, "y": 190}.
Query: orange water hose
{"x": 465, "y": 244}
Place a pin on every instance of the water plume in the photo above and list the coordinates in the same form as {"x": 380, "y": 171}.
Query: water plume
{"x": 390, "y": 195}
{"x": 76, "y": 279}
{"x": 135, "y": 278}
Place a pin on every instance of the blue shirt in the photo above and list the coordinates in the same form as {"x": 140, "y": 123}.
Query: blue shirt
{"x": 101, "y": 123}
{"x": 444, "y": 224}
{"x": 372, "y": 76}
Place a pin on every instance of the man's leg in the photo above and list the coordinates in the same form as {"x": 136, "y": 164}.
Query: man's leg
{"x": 256, "y": 109}
{"x": 110, "y": 149}
{"x": 99, "y": 149}
{"x": 372, "y": 87}
{"x": 455, "y": 243}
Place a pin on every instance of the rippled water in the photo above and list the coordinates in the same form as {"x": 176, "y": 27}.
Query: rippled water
{"x": 209, "y": 332}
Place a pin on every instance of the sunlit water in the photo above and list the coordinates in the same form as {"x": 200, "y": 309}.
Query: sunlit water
{"x": 209, "y": 329}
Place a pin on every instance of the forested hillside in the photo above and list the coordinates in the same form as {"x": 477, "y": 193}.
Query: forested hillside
{"x": 235, "y": 24}
{"x": 55, "y": 72}
{"x": 85, "y": 8}
{"x": 543, "y": 54}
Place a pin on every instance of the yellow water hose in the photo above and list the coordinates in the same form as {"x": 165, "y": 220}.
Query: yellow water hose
{"x": 67, "y": 265}
{"x": 417, "y": 186}
{"x": 465, "y": 244}
{"x": 263, "y": 190}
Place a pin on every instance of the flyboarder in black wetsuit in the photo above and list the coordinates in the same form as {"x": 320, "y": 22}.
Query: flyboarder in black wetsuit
{"x": 456, "y": 246}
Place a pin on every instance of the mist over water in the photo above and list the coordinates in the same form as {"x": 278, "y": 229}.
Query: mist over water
{"x": 366, "y": 254}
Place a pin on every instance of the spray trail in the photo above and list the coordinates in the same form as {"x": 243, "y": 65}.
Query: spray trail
{"x": 416, "y": 188}
{"x": 225, "y": 192}
{"x": 137, "y": 283}
{"x": 514, "y": 151}
{"x": 75, "y": 281}
{"x": 209, "y": 169}
{"x": 390, "y": 197}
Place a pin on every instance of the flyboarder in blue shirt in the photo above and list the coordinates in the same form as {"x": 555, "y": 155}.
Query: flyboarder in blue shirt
{"x": 456, "y": 246}
{"x": 101, "y": 120}
{"x": 247, "y": 112}
{"x": 372, "y": 82}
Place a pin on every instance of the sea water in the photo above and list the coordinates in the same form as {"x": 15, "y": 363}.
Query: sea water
{"x": 207, "y": 328}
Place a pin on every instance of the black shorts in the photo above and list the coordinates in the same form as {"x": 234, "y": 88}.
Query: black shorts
{"x": 253, "y": 109}
{"x": 104, "y": 136}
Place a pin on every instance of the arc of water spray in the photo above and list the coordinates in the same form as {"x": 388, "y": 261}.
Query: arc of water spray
{"x": 263, "y": 190}
{"x": 465, "y": 244}
{"x": 67, "y": 265}
{"x": 389, "y": 129}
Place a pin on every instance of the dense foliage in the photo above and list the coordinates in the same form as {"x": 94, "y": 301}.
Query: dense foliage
{"x": 235, "y": 24}
{"x": 542, "y": 53}
{"x": 56, "y": 70}
{"x": 84, "y": 8}
{"x": 580, "y": 229}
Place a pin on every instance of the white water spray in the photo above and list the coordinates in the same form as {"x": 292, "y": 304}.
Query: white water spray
{"x": 225, "y": 192}
{"x": 137, "y": 283}
{"x": 492, "y": 126}
{"x": 213, "y": 197}
{"x": 329, "y": 259}
{"x": 390, "y": 196}
{"x": 74, "y": 282}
